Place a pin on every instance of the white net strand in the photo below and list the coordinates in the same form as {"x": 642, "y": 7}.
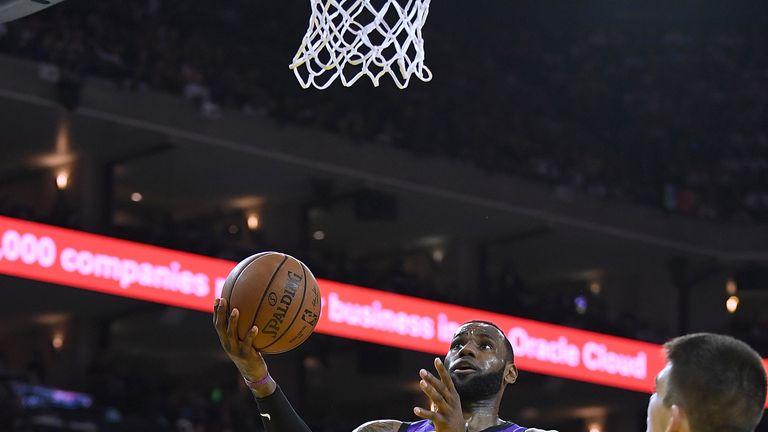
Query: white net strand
{"x": 337, "y": 39}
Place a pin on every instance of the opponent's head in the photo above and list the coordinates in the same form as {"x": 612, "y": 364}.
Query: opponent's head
{"x": 481, "y": 361}
{"x": 711, "y": 383}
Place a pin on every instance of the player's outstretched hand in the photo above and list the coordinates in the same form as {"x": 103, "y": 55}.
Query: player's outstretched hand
{"x": 446, "y": 412}
{"x": 249, "y": 362}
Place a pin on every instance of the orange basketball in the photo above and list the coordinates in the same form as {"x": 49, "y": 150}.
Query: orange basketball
{"x": 278, "y": 294}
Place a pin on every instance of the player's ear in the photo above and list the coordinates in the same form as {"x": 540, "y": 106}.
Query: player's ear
{"x": 678, "y": 420}
{"x": 510, "y": 373}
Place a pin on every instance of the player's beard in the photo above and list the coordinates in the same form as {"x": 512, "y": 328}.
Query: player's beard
{"x": 479, "y": 387}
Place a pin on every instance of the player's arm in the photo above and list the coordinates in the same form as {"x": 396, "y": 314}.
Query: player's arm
{"x": 380, "y": 426}
{"x": 277, "y": 413}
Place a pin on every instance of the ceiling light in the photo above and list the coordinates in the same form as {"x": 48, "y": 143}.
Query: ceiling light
{"x": 253, "y": 221}
{"x": 318, "y": 235}
{"x": 62, "y": 179}
{"x": 732, "y": 304}
{"x": 438, "y": 254}
{"x": 136, "y": 197}
{"x": 57, "y": 341}
{"x": 595, "y": 287}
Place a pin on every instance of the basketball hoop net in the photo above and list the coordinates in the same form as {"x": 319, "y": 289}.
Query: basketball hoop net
{"x": 361, "y": 39}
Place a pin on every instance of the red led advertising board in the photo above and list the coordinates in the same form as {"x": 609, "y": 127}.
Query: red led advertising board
{"x": 129, "y": 269}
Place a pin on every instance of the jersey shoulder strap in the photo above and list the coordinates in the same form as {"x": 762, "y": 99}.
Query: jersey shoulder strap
{"x": 427, "y": 426}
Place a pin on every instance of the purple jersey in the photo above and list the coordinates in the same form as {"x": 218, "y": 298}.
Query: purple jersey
{"x": 427, "y": 426}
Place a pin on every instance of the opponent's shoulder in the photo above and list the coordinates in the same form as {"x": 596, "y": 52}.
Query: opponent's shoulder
{"x": 538, "y": 430}
{"x": 380, "y": 426}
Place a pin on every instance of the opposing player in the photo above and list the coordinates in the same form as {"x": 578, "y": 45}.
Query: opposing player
{"x": 465, "y": 395}
{"x": 711, "y": 383}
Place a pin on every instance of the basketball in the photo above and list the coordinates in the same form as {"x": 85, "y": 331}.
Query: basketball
{"x": 278, "y": 294}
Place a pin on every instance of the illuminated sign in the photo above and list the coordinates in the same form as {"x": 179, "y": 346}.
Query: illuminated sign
{"x": 108, "y": 265}
{"x": 428, "y": 326}
{"x": 129, "y": 269}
